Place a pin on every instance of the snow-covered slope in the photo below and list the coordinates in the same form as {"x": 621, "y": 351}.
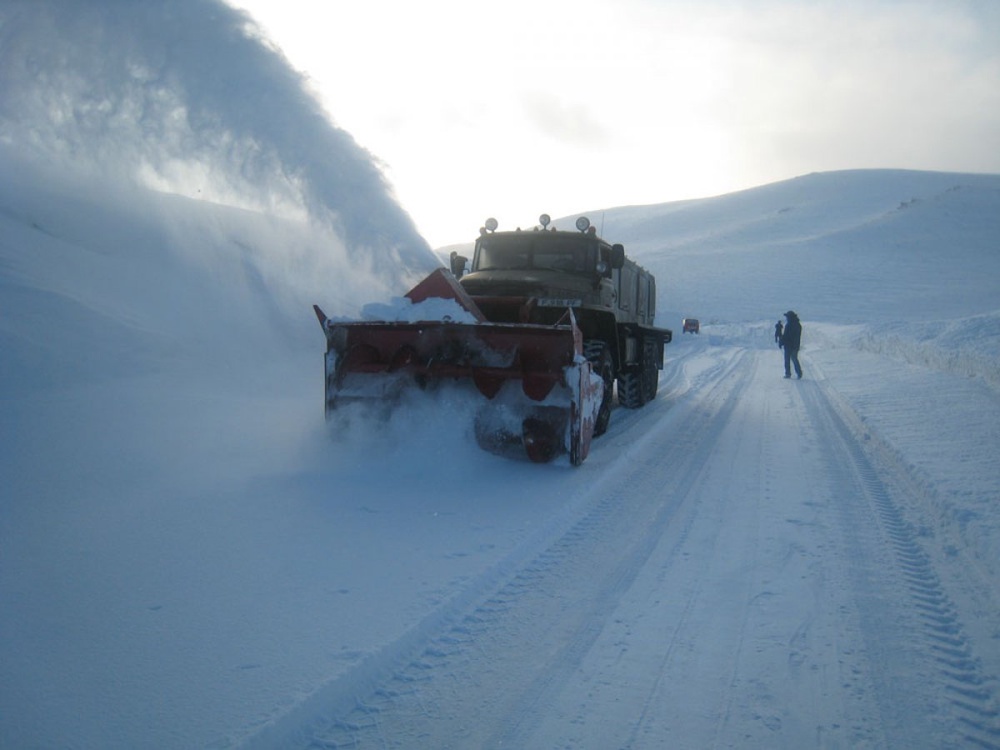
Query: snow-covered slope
{"x": 879, "y": 245}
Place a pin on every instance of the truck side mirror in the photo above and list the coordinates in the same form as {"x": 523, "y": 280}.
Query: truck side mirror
{"x": 617, "y": 255}
{"x": 458, "y": 264}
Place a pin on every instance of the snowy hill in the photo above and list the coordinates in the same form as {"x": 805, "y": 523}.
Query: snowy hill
{"x": 189, "y": 559}
{"x": 870, "y": 241}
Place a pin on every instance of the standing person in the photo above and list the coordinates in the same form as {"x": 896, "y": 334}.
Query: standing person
{"x": 791, "y": 339}
{"x": 777, "y": 333}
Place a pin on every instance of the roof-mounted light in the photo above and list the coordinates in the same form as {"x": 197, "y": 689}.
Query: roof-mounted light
{"x": 583, "y": 223}
{"x": 491, "y": 224}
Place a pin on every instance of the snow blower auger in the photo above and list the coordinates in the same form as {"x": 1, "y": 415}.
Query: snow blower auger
{"x": 542, "y": 397}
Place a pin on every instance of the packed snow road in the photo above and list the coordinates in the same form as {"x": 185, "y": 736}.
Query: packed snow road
{"x": 734, "y": 569}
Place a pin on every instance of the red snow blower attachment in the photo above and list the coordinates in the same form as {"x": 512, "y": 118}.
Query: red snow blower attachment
{"x": 541, "y": 396}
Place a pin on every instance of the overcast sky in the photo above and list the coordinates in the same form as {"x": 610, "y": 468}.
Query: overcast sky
{"x": 512, "y": 109}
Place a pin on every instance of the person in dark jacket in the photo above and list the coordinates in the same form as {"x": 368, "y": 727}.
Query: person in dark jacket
{"x": 791, "y": 339}
{"x": 777, "y": 333}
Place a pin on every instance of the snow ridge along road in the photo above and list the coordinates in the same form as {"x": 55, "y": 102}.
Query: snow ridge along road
{"x": 737, "y": 572}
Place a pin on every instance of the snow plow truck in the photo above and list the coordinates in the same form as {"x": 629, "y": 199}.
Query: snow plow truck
{"x": 543, "y": 323}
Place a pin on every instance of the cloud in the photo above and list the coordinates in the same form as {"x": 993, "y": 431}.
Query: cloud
{"x": 665, "y": 99}
{"x": 564, "y": 121}
{"x": 878, "y": 84}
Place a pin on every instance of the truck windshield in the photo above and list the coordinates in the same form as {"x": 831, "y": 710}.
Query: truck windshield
{"x": 541, "y": 250}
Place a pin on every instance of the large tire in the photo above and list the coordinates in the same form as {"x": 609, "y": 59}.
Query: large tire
{"x": 651, "y": 383}
{"x": 630, "y": 390}
{"x": 650, "y": 372}
{"x": 638, "y": 386}
{"x": 599, "y": 356}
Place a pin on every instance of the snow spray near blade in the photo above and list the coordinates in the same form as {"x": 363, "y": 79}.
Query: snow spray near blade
{"x": 432, "y": 427}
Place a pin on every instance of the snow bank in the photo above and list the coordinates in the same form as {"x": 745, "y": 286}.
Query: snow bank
{"x": 969, "y": 347}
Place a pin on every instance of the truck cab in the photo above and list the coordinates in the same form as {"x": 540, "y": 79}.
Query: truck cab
{"x": 534, "y": 276}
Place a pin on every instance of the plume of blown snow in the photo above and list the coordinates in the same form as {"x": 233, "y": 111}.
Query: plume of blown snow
{"x": 188, "y": 97}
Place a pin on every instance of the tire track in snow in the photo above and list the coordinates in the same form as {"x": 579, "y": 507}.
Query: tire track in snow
{"x": 483, "y": 680}
{"x": 756, "y": 612}
{"x": 729, "y": 379}
{"x": 968, "y": 713}
{"x": 654, "y": 701}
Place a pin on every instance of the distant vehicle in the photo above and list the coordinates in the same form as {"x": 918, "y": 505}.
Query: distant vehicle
{"x": 691, "y": 325}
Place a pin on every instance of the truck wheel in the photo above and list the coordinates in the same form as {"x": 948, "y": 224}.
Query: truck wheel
{"x": 650, "y": 372}
{"x": 638, "y": 386}
{"x": 650, "y": 384}
{"x": 599, "y": 357}
{"x": 630, "y": 389}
